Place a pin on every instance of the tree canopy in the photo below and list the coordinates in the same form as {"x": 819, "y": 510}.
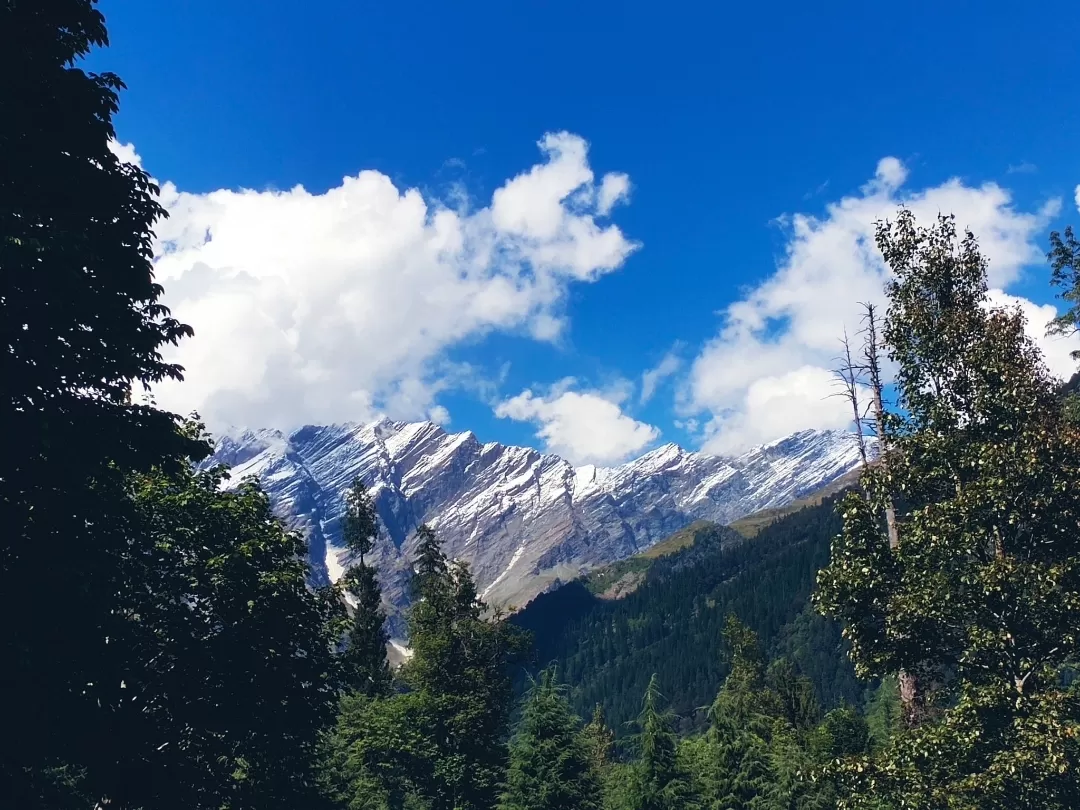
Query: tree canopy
{"x": 976, "y": 603}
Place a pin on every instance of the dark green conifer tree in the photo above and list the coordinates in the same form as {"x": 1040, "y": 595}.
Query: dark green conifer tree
{"x": 441, "y": 743}
{"x": 366, "y": 669}
{"x": 743, "y": 719}
{"x": 550, "y": 765}
{"x": 599, "y": 741}
{"x": 656, "y": 780}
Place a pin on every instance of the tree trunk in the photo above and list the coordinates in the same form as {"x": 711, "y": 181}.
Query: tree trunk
{"x": 909, "y": 684}
{"x": 909, "y": 698}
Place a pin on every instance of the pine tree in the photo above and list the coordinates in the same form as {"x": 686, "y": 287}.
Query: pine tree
{"x": 743, "y": 721}
{"x": 843, "y": 732}
{"x": 798, "y": 704}
{"x": 599, "y": 741}
{"x": 656, "y": 780}
{"x": 550, "y": 766}
{"x": 883, "y": 716}
{"x": 366, "y": 668}
{"x": 976, "y": 602}
{"x": 441, "y": 743}
{"x": 430, "y": 571}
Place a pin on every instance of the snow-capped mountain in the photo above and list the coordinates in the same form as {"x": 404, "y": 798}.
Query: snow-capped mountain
{"x": 521, "y": 519}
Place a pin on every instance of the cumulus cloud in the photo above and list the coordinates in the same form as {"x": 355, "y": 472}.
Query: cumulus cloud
{"x": 614, "y": 189}
{"x": 767, "y": 371}
{"x": 584, "y": 427}
{"x": 342, "y": 305}
{"x": 651, "y": 379}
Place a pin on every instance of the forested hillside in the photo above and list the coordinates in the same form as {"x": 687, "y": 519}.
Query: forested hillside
{"x": 672, "y": 624}
{"x": 165, "y": 645}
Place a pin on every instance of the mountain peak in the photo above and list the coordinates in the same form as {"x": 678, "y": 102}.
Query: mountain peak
{"x": 521, "y": 519}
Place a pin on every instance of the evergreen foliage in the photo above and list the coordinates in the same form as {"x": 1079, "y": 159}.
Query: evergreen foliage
{"x": 766, "y": 743}
{"x": 440, "y": 741}
{"x": 551, "y": 766}
{"x": 674, "y": 622}
{"x": 656, "y": 781}
{"x": 366, "y": 669}
{"x": 599, "y": 742}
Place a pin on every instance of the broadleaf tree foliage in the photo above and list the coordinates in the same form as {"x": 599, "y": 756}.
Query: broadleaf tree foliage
{"x": 83, "y": 328}
{"x": 978, "y": 600}
{"x": 161, "y": 646}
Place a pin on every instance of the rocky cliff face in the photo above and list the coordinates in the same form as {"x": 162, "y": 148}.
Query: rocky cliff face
{"x": 522, "y": 519}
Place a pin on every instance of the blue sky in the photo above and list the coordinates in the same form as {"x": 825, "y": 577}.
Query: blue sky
{"x": 746, "y": 148}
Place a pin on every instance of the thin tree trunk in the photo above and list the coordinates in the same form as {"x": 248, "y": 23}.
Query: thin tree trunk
{"x": 910, "y": 698}
{"x": 849, "y": 376}
{"x": 873, "y": 367}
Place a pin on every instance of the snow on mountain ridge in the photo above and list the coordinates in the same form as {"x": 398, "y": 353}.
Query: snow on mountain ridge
{"x": 521, "y": 518}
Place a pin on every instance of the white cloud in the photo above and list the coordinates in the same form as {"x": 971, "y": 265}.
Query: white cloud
{"x": 125, "y": 152}
{"x": 343, "y": 304}
{"x": 584, "y": 427}
{"x": 439, "y": 415}
{"x": 767, "y": 372}
{"x": 652, "y": 378}
{"x": 614, "y": 189}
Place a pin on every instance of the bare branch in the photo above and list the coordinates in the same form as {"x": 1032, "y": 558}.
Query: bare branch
{"x": 848, "y": 377}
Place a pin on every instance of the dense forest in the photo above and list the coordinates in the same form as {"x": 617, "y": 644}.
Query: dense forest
{"x": 671, "y": 625}
{"x": 163, "y": 646}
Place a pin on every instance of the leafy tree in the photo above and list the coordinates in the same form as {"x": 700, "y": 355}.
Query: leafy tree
{"x": 366, "y": 669}
{"x": 82, "y": 327}
{"x": 550, "y": 766}
{"x": 229, "y": 656}
{"x": 1064, "y": 257}
{"x": 976, "y": 603}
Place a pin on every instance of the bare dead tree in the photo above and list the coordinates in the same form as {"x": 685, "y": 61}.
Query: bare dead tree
{"x": 908, "y": 680}
{"x": 872, "y": 364}
{"x": 849, "y": 378}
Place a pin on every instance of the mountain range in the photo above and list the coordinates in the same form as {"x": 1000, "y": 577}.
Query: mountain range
{"x": 523, "y": 520}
